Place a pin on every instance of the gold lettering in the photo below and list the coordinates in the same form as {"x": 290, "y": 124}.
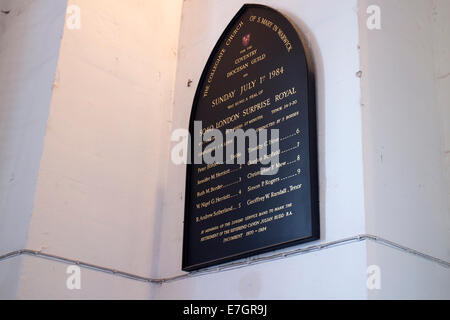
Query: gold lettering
{"x": 285, "y": 94}
{"x": 225, "y": 97}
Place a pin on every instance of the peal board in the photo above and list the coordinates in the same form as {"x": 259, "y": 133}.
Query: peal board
{"x": 259, "y": 78}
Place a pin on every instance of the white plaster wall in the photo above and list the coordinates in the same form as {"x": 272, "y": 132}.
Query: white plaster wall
{"x": 101, "y": 179}
{"x": 108, "y": 194}
{"x": 331, "y": 27}
{"x": 30, "y": 33}
{"x": 336, "y": 273}
{"x": 45, "y": 279}
{"x": 406, "y": 276}
{"x": 406, "y": 120}
{"x": 440, "y": 17}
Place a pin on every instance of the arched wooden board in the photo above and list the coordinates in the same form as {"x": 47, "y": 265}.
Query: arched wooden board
{"x": 231, "y": 212}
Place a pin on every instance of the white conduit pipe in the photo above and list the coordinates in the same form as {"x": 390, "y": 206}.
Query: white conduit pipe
{"x": 231, "y": 265}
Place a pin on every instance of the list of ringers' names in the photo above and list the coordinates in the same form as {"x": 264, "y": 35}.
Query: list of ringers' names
{"x": 238, "y": 205}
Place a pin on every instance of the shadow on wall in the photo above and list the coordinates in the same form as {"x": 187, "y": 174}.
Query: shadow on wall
{"x": 30, "y": 35}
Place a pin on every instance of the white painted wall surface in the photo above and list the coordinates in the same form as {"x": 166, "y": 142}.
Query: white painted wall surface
{"x": 30, "y": 33}
{"x": 106, "y": 148}
{"x": 331, "y": 27}
{"x": 440, "y": 17}
{"x": 406, "y": 120}
{"x": 108, "y": 193}
{"x": 335, "y": 273}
